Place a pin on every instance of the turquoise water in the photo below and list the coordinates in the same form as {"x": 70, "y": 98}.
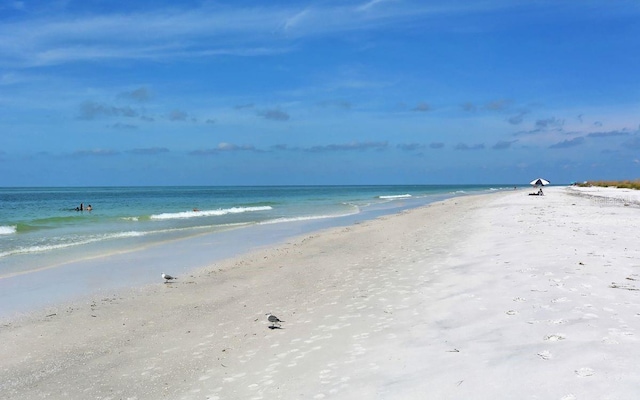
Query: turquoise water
{"x": 51, "y": 254}
{"x": 40, "y": 227}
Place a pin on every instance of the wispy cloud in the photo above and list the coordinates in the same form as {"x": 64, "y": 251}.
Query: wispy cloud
{"x": 178, "y": 115}
{"x": 608, "y": 134}
{"x": 274, "y": 115}
{"x": 468, "y": 107}
{"x": 464, "y": 146}
{"x": 494, "y": 105}
{"x": 95, "y": 153}
{"x": 422, "y": 107}
{"x": 91, "y": 110}
{"x": 568, "y": 143}
{"x": 140, "y": 94}
{"x": 12, "y": 78}
{"x": 13, "y": 6}
{"x": 121, "y": 126}
{"x": 234, "y": 147}
{"x": 340, "y": 104}
{"x": 295, "y": 20}
{"x": 354, "y": 146}
{"x": 498, "y": 105}
{"x": 549, "y": 123}
{"x": 518, "y": 118}
{"x": 283, "y": 147}
{"x": 543, "y": 125}
{"x": 244, "y": 106}
{"x": 224, "y": 147}
{"x": 206, "y": 31}
{"x": 155, "y": 34}
{"x": 411, "y": 146}
{"x": 151, "y": 151}
{"x": 503, "y": 144}
{"x": 369, "y": 5}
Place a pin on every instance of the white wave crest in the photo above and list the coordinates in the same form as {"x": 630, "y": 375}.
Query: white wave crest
{"x": 39, "y": 249}
{"x": 306, "y": 218}
{"x": 397, "y": 196}
{"x": 209, "y": 213}
{"x": 8, "y": 230}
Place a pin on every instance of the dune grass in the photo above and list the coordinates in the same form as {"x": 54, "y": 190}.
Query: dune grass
{"x": 626, "y": 184}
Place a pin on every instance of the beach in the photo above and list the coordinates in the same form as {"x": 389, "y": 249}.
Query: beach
{"x": 492, "y": 296}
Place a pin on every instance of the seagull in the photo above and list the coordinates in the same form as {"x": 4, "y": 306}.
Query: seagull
{"x": 274, "y": 320}
{"x": 167, "y": 278}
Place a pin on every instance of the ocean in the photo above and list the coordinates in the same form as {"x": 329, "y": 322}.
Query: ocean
{"x": 43, "y": 234}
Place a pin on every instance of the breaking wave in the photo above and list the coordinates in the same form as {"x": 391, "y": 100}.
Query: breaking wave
{"x": 8, "y": 230}
{"x": 209, "y": 213}
{"x": 396, "y": 196}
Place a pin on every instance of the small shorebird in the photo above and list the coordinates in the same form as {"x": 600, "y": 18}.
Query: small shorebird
{"x": 167, "y": 278}
{"x": 274, "y": 320}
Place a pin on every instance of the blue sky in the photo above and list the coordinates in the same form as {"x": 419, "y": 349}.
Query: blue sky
{"x": 109, "y": 92}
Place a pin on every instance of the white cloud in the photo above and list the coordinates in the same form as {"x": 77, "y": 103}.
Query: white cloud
{"x": 371, "y": 4}
{"x": 296, "y": 20}
{"x": 204, "y": 31}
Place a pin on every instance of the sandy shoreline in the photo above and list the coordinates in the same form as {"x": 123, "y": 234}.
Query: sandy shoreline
{"x": 484, "y": 297}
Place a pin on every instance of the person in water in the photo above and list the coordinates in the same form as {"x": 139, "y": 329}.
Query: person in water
{"x": 82, "y": 208}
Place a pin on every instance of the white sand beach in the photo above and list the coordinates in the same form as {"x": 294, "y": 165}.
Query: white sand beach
{"x": 499, "y": 296}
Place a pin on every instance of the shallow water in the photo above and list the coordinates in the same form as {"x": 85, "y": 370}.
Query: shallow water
{"x": 51, "y": 253}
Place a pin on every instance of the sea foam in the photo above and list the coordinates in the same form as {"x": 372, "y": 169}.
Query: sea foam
{"x": 97, "y": 238}
{"x": 8, "y": 230}
{"x": 397, "y": 196}
{"x": 209, "y": 213}
{"x": 306, "y": 218}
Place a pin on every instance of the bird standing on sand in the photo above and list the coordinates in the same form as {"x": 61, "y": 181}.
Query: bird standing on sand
{"x": 274, "y": 320}
{"x": 167, "y": 278}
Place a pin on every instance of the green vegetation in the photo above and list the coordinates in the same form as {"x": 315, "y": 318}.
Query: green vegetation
{"x": 635, "y": 184}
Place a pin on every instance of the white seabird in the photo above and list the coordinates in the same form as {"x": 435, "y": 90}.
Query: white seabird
{"x": 167, "y": 278}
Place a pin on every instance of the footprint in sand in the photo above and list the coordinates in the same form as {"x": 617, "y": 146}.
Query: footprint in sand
{"x": 545, "y": 355}
{"x": 519, "y": 299}
{"x": 554, "y": 338}
{"x": 560, "y": 300}
{"x": 584, "y": 372}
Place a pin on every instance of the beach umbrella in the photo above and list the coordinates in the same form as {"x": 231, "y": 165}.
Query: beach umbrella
{"x": 539, "y": 182}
